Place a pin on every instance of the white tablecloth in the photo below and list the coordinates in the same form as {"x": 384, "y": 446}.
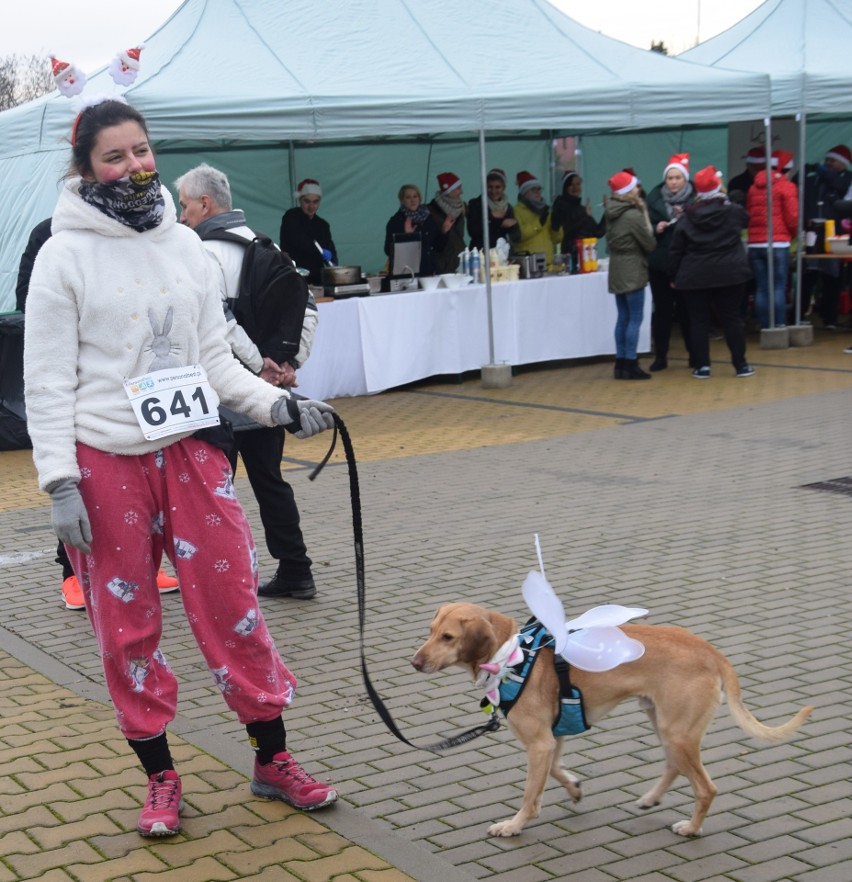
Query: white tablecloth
{"x": 367, "y": 344}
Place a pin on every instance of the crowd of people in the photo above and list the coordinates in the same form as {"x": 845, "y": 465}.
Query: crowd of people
{"x": 686, "y": 237}
{"x": 123, "y": 293}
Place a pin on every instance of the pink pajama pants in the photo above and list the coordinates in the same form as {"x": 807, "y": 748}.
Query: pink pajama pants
{"x": 178, "y": 500}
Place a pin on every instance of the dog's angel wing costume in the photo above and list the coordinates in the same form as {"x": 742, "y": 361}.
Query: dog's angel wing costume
{"x": 592, "y": 641}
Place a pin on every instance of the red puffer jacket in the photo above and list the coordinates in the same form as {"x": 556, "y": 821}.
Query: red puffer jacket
{"x": 785, "y": 209}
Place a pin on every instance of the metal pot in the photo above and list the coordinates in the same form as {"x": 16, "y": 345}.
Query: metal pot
{"x": 533, "y": 266}
{"x": 340, "y": 275}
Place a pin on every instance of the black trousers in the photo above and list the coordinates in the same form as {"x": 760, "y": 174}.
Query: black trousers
{"x": 668, "y": 307}
{"x": 724, "y": 304}
{"x": 261, "y": 451}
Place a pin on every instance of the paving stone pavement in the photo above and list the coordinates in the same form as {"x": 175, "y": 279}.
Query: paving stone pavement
{"x": 688, "y": 498}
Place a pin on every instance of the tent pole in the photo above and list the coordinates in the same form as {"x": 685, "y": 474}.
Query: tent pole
{"x": 770, "y": 252}
{"x": 800, "y": 234}
{"x": 494, "y": 376}
{"x": 486, "y": 258}
{"x": 292, "y": 164}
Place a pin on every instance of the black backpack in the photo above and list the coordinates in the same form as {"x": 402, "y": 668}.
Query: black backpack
{"x": 272, "y": 298}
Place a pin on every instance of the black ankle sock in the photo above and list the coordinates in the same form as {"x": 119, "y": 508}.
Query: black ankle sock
{"x": 153, "y": 753}
{"x": 267, "y": 737}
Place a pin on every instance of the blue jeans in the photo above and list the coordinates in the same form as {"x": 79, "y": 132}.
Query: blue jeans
{"x": 760, "y": 268}
{"x": 631, "y": 307}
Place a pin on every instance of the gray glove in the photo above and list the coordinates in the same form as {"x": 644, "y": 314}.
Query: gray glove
{"x": 68, "y": 516}
{"x": 303, "y": 417}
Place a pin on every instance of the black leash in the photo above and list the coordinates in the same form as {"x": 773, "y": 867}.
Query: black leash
{"x": 493, "y": 723}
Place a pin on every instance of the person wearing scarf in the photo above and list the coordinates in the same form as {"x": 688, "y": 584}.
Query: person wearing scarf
{"x": 124, "y": 307}
{"x": 666, "y": 203}
{"x": 501, "y": 215}
{"x": 537, "y": 233}
{"x": 414, "y": 218}
{"x": 448, "y": 212}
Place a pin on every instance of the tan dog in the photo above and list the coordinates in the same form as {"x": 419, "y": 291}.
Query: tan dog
{"x": 678, "y": 682}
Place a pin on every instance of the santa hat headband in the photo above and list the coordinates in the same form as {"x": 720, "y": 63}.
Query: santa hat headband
{"x": 708, "y": 182}
{"x": 497, "y": 173}
{"x": 680, "y": 162}
{"x": 308, "y": 187}
{"x": 91, "y": 101}
{"x": 526, "y": 181}
{"x": 622, "y": 182}
{"x": 447, "y": 182}
{"x": 841, "y": 153}
{"x": 756, "y": 156}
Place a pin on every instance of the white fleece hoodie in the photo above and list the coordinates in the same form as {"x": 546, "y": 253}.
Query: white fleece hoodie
{"x": 98, "y": 293}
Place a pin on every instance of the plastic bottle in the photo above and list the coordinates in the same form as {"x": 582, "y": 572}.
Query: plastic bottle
{"x": 465, "y": 261}
{"x": 475, "y": 263}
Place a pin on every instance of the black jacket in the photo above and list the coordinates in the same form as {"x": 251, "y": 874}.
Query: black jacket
{"x": 431, "y": 240}
{"x": 707, "y": 249}
{"x": 569, "y": 213}
{"x": 298, "y": 234}
{"x": 495, "y": 225}
{"x": 447, "y": 258}
{"x": 659, "y": 257}
{"x": 38, "y": 236}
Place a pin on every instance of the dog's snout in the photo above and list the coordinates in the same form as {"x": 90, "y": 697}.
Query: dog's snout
{"x": 417, "y": 663}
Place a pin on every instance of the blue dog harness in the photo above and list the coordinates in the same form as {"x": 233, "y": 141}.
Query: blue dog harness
{"x": 532, "y": 638}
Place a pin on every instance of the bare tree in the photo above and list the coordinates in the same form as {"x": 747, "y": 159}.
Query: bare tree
{"x": 23, "y": 78}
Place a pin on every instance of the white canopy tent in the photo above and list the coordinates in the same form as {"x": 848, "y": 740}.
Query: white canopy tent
{"x": 804, "y": 47}
{"x": 802, "y": 44}
{"x": 221, "y": 76}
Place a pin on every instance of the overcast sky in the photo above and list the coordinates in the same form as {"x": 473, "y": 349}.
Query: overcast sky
{"x": 90, "y": 32}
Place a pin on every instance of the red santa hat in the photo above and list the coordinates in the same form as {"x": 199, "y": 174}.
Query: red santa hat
{"x": 708, "y": 182}
{"x": 756, "y": 156}
{"x": 447, "y": 182}
{"x": 622, "y": 182}
{"x": 526, "y": 181}
{"x": 679, "y": 161}
{"x": 497, "y": 173}
{"x": 782, "y": 159}
{"x": 841, "y": 153}
{"x": 130, "y": 57}
{"x": 308, "y": 187}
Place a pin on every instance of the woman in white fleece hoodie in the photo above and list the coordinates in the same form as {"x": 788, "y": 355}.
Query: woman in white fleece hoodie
{"x": 125, "y": 357}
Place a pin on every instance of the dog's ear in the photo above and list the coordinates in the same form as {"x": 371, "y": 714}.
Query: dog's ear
{"x": 480, "y": 642}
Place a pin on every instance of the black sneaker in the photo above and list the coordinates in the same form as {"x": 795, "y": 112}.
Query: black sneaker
{"x": 278, "y": 586}
{"x": 745, "y": 371}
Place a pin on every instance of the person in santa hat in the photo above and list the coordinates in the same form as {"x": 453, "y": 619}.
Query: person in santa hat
{"x": 826, "y": 184}
{"x": 666, "y": 204}
{"x": 785, "y": 224}
{"x": 630, "y": 240}
{"x": 501, "y": 215}
{"x": 302, "y": 228}
{"x": 738, "y": 186}
{"x": 448, "y": 212}
{"x": 710, "y": 269}
{"x": 538, "y": 234}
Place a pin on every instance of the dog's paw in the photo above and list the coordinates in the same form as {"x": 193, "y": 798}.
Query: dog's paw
{"x": 685, "y": 828}
{"x": 505, "y": 828}
{"x": 647, "y": 801}
{"x": 572, "y": 785}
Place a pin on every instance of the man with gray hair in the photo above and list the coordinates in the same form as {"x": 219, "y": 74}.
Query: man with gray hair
{"x": 205, "y": 201}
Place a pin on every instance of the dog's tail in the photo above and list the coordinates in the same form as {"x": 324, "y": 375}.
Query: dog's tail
{"x": 748, "y": 723}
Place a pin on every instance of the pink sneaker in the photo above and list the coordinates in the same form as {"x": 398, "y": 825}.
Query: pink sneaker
{"x": 285, "y": 779}
{"x": 161, "y": 814}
